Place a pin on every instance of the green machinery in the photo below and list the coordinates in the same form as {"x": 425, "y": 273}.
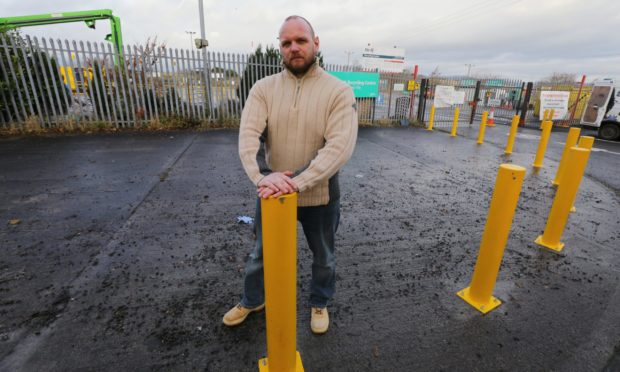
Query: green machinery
{"x": 87, "y": 16}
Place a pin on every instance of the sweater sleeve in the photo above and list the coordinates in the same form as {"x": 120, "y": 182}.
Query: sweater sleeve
{"x": 252, "y": 133}
{"x": 340, "y": 137}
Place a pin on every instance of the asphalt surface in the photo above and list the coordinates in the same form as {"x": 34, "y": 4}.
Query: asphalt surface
{"x": 124, "y": 252}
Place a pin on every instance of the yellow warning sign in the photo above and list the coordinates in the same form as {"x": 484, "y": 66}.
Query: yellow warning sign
{"x": 412, "y": 85}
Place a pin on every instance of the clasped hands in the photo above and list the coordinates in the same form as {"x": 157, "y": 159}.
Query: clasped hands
{"x": 276, "y": 184}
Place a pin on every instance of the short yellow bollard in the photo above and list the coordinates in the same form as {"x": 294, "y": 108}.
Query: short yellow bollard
{"x": 513, "y": 134}
{"x": 564, "y": 198}
{"x": 279, "y": 220}
{"x": 479, "y": 294}
{"x": 455, "y": 121}
{"x": 483, "y": 125}
{"x": 586, "y": 142}
{"x": 571, "y": 140}
{"x": 542, "y": 145}
{"x": 431, "y": 119}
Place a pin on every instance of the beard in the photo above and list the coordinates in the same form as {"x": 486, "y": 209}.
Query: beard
{"x": 300, "y": 70}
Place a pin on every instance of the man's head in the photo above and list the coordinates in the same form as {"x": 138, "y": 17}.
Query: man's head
{"x": 298, "y": 44}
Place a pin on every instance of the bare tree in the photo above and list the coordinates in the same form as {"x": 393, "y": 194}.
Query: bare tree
{"x": 560, "y": 78}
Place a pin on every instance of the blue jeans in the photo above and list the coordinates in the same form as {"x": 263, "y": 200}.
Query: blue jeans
{"x": 319, "y": 224}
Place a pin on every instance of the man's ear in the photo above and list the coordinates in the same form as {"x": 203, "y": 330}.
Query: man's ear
{"x": 316, "y": 42}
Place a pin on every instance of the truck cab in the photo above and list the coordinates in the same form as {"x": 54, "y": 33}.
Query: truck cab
{"x": 602, "y": 112}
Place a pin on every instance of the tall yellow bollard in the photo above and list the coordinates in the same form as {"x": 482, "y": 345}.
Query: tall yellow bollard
{"x": 513, "y": 134}
{"x": 479, "y": 294}
{"x": 483, "y": 125}
{"x": 564, "y": 198}
{"x": 455, "y": 121}
{"x": 279, "y": 219}
{"x": 542, "y": 145}
{"x": 586, "y": 142}
{"x": 432, "y": 118}
{"x": 571, "y": 140}
{"x": 544, "y": 118}
{"x": 551, "y": 113}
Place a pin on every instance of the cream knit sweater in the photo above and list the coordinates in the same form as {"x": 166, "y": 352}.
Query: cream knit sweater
{"x": 308, "y": 125}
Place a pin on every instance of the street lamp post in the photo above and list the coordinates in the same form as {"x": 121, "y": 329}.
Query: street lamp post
{"x": 191, "y": 38}
{"x": 469, "y": 66}
{"x": 348, "y": 56}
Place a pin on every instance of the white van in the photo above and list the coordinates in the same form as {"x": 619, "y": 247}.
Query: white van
{"x": 603, "y": 110}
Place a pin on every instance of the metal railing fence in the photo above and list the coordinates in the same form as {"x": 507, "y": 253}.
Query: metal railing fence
{"x": 53, "y": 82}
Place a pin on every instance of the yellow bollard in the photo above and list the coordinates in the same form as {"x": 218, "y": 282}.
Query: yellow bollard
{"x": 455, "y": 122}
{"x": 432, "y": 118}
{"x": 279, "y": 219}
{"x": 564, "y": 198}
{"x": 544, "y": 118}
{"x": 571, "y": 140}
{"x": 542, "y": 145}
{"x": 479, "y": 294}
{"x": 483, "y": 125}
{"x": 586, "y": 142}
{"x": 551, "y": 113}
{"x": 513, "y": 134}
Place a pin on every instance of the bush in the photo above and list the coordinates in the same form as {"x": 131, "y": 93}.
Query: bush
{"x": 43, "y": 87}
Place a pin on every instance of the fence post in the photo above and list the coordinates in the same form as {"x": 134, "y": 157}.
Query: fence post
{"x": 474, "y": 103}
{"x": 422, "y": 100}
{"x": 526, "y": 103}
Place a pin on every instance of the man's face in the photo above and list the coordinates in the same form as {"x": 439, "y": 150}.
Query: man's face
{"x": 297, "y": 46}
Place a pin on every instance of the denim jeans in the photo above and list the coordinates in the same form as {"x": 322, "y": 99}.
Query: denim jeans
{"x": 319, "y": 224}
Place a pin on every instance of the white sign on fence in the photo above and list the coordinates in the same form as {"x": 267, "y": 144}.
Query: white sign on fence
{"x": 399, "y": 87}
{"x": 447, "y": 96}
{"x": 458, "y": 98}
{"x": 556, "y": 100}
{"x": 443, "y": 96}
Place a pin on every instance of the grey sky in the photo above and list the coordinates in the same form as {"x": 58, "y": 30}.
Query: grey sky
{"x": 526, "y": 39}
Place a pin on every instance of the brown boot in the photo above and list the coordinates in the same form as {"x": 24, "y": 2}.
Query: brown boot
{"x": 237, "y": 314}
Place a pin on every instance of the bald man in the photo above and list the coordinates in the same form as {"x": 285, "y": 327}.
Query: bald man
{"x": 298, "y": 128}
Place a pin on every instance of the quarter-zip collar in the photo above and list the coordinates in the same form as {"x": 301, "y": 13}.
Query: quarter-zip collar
{"x": 314, "y": 71}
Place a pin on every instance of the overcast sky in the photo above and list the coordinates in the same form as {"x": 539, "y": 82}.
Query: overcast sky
{"x": 525, "y": 39}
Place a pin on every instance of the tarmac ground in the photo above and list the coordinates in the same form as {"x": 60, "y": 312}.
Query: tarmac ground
{"x": 123, "y": 251}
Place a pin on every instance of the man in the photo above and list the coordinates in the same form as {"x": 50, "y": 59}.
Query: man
{"x": 298, "y": 128}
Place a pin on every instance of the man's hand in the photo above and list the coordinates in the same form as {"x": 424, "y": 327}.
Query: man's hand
{"x": 276, "y": 184}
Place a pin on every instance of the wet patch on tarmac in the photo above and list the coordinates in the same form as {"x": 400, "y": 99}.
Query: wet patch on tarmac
{"x": 129, "y": 252}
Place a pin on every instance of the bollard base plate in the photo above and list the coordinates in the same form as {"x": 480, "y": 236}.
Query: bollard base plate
{"x": 556, "y": 247}
{"x": 483, "y": 307}
{"x": 263, "y": 365}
